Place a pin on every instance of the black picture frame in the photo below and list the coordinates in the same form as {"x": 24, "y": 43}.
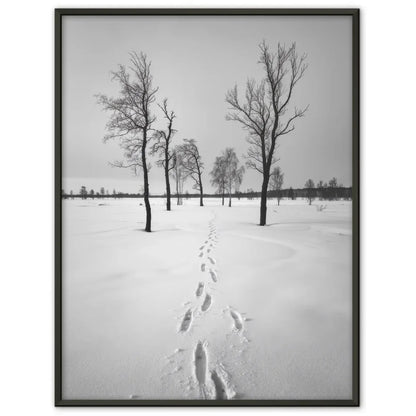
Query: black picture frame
{"x": 355, "y": 60}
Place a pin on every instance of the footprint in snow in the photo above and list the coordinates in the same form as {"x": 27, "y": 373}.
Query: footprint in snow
{"x": 199, "y": 289}
{"x": 200, "y": 364}
{"x": 186, "y": 321}
{"x": 213, "y": 275}
{"x": 220, "y": 389}
{"x": 238, "y": 320}
{"x": 207, "y": 303}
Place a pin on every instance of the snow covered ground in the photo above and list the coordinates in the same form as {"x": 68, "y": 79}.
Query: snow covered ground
{"x": 208, "y": 305}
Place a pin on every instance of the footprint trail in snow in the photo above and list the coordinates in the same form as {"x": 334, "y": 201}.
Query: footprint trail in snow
{"x": 214, "y": 382}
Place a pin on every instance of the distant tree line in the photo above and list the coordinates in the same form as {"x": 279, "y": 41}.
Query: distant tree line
{"x": 322, "y": 190}
{"x": 84, "y": 193}
{"x": 331, "y": 191}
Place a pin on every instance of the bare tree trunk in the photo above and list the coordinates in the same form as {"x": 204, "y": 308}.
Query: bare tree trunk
{"x": 223, "y": 195}
{"x": 263, "y": 199}
{"x": 201, "y": 197}
{"x": 177, "y": 191}
{"x": 162, "y": 145}
{"x": 167, "y": 181}
{"x": 167, "y": 193}
{"x": 148, "y": 227}
{"x": 229, "y": 201}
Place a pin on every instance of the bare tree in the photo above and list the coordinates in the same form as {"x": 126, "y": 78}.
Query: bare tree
{"x": 218, "y": 176}
{"x": 193, "y": 165}
{"x": 226, "y": 174}
{"x": 333, "y": 183}
{"x": 178, "y": 173}
{"x": 263, "y": 113}
{"x": 276, "y": 179}
{"x": 163, "y": 140}
{"x": 332, "y": 188}
{"x": 233, "y": 173}
{"x": 310, "y": 188}
{"x": 83, "y": 192}
{"x": 320, "y": 189}
{"x": 239, "y": 179}
{"x": 131, "y": 118}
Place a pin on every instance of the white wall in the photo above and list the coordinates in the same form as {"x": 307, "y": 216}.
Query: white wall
{"x": 388, "y": 224}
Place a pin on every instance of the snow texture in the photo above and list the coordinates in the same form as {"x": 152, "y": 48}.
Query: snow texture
{"x": 266, "y": 313}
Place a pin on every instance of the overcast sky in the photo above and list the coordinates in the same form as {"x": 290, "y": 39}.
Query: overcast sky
{"x": 195, "y": 60}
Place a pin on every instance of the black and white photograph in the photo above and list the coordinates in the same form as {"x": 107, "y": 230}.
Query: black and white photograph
{"x": 207, "y": 207}
{"x": 207, "y": 204}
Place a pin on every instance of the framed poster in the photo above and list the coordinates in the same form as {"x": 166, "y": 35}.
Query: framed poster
{"x": 207, "y": 207}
